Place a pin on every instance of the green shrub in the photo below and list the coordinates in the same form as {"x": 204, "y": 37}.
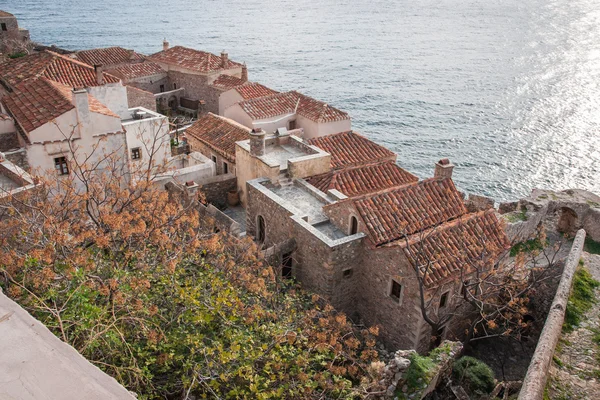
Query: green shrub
{"x": 17, "y": 55}
{"x": 419, "y": 370}
{"x": 475, "y": 376}
{"x": 528, "y": 246}
{"x": 581, "y": 299}
{"x": 591, "y": 246}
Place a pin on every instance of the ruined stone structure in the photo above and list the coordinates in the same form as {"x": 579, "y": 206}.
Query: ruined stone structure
{"x": 11, "y": 35}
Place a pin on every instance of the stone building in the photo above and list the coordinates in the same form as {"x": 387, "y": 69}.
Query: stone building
{"x": 290, "y": 110}
{"x": 193, "y": 72}
{"x": 11, "y": 36}
{"x": 59, "y": 110}
{"x": 215, "y": 137}
{"x": 359, "y": 230}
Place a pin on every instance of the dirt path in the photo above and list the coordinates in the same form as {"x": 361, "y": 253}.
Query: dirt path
{"x": 575, "y": 372}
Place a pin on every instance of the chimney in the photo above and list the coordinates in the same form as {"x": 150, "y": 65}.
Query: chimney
{"x": 224, "y": 59}
{"x": 99, "y": 75}
{"x": 244, "y": 73}
{"x": 165, "y": 44}
{"x": 443, "y": 169}
{"x": 257, "y": 142}
{"x": 82, "y": 104}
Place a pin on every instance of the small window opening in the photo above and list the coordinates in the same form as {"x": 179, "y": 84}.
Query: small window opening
{"x": 444, "y": 300}
{"x": 260, "y": 229}
{"x": 396, "y": 290}
{"x": 292, "y": 124}
{"x": 439, "y": 335}
{"x": 286, "y": 265}
{"x": 214, "y": 159}
{"x": 347, "y": 273}
{"x": 174, "y": 86}
{"x": 353, "y": 225}
{"x": 4, "y": 28}
{"x": 136, "y": 153}
{"x": 225, "y": 168}
{"x": 60, "y": 163}
{"x": 162, "y": 88}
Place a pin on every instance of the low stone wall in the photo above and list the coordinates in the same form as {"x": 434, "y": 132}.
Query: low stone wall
{"x": 537, "y": 373}
{"x": 215, "y": 189}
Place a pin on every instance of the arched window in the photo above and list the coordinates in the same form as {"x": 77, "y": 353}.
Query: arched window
{"x": 260, "y": 229}
{"x": 353, "y": 225}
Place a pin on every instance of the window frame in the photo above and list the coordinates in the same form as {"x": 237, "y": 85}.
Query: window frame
{"x": 62, "y": 167}
{"x": 225, "y": 167}
{"x": 397, "y": 299}
{"x": 137, "y": 150}
{"x": 353, "y": 228}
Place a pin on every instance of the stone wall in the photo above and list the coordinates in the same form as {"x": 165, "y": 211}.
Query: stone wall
{"x": 152, "y": 83}
{"x": 9, "y": 141}
{"x": 215, "y": 189}
{"x": 537, "y": 373}
{"x": 140, "y": 98}
{"x": 197, "y": 88}
{"x": 197, "y": 145}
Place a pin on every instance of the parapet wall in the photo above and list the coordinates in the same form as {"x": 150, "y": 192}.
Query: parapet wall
{"x": 537, "y": 373}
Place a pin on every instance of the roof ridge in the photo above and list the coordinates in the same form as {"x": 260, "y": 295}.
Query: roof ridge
{"x": 77, "y": 62}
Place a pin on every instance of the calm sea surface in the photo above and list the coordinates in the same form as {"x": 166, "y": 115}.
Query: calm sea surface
{"x": 508, "y": 90}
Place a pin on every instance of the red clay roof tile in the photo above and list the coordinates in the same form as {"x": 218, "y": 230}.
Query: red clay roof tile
{"x": 227, "y": 82}
{"x": 218, "y": 133}
{"x": 473, "y": 240}
{"x": 191, "y": 59}
{"x": 36, "y": 102}
{"x": 364, "y": 179}
{"x": 403, "y": 211}
{"x": 289, "y": 103}
{"x": 253, "y": 90}
{"x": 53, "y": 66}
{"x": 351, "y": 149}
{"x": 108, "y": 56}
{"x": 136, "y": 70}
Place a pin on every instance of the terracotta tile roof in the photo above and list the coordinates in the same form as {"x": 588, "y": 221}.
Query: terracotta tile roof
{"x": 227, "y": 82}
{"x": 35, "y": 103}
{"x": 53, "y": 66}
{"x": 473, "y": 240}
{"x": 253, "y": 90}
{"x": 108, "y": 56}
{"x": 136, "y": 70}
{"x": 319, "y": 111}
{"x": 270, "y": 106}
{"x": 351, "y": 149}
{"x": 219, "y": 133}
{"x": 191, "y": 59}
{"x": 290, "y": 102}
{"x": 403, "y": 211}
{"x": 363, "y": 179}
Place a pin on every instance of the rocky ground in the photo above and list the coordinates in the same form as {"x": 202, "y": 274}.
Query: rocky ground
{"x": 575, "y": 372}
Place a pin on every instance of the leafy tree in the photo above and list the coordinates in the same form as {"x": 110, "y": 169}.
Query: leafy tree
{"x": 142, "y": 287}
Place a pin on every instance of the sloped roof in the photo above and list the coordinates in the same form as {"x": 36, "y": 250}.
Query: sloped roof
{"x": 192, "y": 59}
{"x": 351, "y": 149}
{"x": 108, "y": 56}
{"x": 290, "y": 102}
{"x": 35, "y": 103}
{"x": 136, "y": 70}
{"x": 53, "y": 66}
{"x": 227, "y": 82}
{"x": 253, "y": 90}
{"x": 219, "y": 133}
{"x": 403, "y": 211}
{"x": 363, "y": 179}
{"x": 475, "y": 239}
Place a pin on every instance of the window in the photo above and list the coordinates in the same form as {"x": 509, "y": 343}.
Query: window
{"x": 347, "y": 273}
{"x": 260, "y": 229}
{"x": 353, "y": 225}
{"x": 292, "y": 124}
{"x": 60, "y": 163}
{"x": 286, "y": 265}
{"x": 395, "y": 290}
{"x": 174, "y": 86}
{"x": 444, "y": 300}
{"x": 136, "y": 153}
{"x": 214, "y": 159}
{"x": 4, "y": 27}
{"x": 162, "y": 88}
{"x": 225, "y": 168}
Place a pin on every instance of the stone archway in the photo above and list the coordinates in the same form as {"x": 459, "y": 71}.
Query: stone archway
{"x": 173, "y": 102}
{"x": 567, "y": 221}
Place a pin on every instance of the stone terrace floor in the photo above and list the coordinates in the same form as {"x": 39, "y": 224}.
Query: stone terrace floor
{"x": 578, "y": 375}
{"x": 302, "y": 200}
{"x": 238, "y": 214}
{"x": 281, "y": 154}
